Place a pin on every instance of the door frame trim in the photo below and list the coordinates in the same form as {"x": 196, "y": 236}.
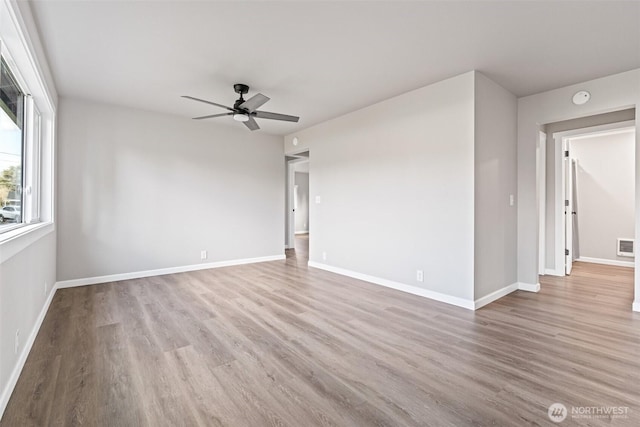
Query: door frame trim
{"x": 541, "y": 170}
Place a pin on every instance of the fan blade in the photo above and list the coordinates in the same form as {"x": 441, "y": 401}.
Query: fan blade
{"x": 254, "y": 102}
{"x": 208, "y": 102}
{"x": 275, "y": 116}
{"x": 251, "y": 124}
{"x": 212, "y": 116}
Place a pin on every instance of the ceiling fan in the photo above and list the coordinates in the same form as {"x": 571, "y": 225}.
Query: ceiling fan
{"x": 245, "y": 111}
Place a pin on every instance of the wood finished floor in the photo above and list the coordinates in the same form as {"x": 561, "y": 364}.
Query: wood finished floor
{"x": 277, "y": 344}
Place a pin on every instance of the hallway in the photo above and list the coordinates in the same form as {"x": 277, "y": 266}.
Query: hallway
{"x": 591, "y": 289}
{"x": 300, "y": 255}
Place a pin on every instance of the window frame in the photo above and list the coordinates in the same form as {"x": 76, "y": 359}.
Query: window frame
{"x": 19, "y": 82}
{"x": 32, "y": 163}
{"x": 23, "y": 52}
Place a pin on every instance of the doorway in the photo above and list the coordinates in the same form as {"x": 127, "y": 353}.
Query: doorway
{"x": 297, "y": 222}
{"x": 595, "y": 195}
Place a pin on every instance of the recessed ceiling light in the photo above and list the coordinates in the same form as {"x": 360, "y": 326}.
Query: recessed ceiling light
{"x": 295, "y": 140}
{"x": 581, "y": 97}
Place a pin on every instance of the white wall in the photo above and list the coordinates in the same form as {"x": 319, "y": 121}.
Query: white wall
{"x": 616, "y": 92}
{"x": 495, "y": 180}
{"x": 396, "y": 182}
{"x": 142, "y": 191}
{"x": 22, "y": 298}
{"x": 302, "y": 203}
{"x": 605, "y": 193}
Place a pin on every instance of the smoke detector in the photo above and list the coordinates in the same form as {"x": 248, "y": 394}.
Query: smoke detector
{"x": 581, "y": 98}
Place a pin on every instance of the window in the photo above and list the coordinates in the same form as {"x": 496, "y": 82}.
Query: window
{"x": 11, "y": 147}
{"x": 27, "y": 135}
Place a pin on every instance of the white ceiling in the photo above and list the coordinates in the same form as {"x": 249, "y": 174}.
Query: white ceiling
{"x": 320, "y": 60}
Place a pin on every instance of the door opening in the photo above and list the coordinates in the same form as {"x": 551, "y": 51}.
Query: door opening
{"x": 595, "y": 194}
{"x": 297, "y": 205}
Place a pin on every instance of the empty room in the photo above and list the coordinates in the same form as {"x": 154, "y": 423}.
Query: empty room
{"x": 319, "y": 213}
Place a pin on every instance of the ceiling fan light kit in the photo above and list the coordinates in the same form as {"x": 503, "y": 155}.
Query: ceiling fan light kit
{"x": 245, "y": 110}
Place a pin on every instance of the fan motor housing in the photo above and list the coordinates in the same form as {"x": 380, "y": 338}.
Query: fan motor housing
{"x": 236, "y": 105}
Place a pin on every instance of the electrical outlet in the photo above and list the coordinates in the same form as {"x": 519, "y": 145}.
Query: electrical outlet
{"x": 512, "y": 200}
{"x": 17, "y": 344}
{"x": 46, "y": 285}
{"x": 420, "y": 276}
{"x": 203, "y": 254}
{"x": 318, "y": 200}
{"x": 324, "y": 256}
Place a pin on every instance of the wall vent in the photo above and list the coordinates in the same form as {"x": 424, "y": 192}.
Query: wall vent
{"x": 625, "y": 247}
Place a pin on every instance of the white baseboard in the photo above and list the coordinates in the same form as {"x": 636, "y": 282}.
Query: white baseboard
{"x": 460, "y": 302}
{"x": 636, "y": 306}
{"x": 15, "y": 374}
{"x": 529, "y": 287}
{"x": 302, "y": 232}
{"x": 607, "y": 261}
{"x": 159, "y": 272}
{"x": 553, "y": 272}
{"x": 481, "y": 302}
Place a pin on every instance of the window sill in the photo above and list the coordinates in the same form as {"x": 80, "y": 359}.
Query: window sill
{"x": 14, "y": 241}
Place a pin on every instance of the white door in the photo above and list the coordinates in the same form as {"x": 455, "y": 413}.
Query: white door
{"x": 568, "y": 210}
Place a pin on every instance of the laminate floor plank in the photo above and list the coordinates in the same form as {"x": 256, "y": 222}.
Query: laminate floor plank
{"x": 207, "y": 397}
{"x": 323, "y": 383}
{"x": 77, "y": 385}
{"x": 280, "y": 344}
{"x": 39, "y": 385}
{"x": 119, "y": 402}
{"x": 189, "y": 326}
